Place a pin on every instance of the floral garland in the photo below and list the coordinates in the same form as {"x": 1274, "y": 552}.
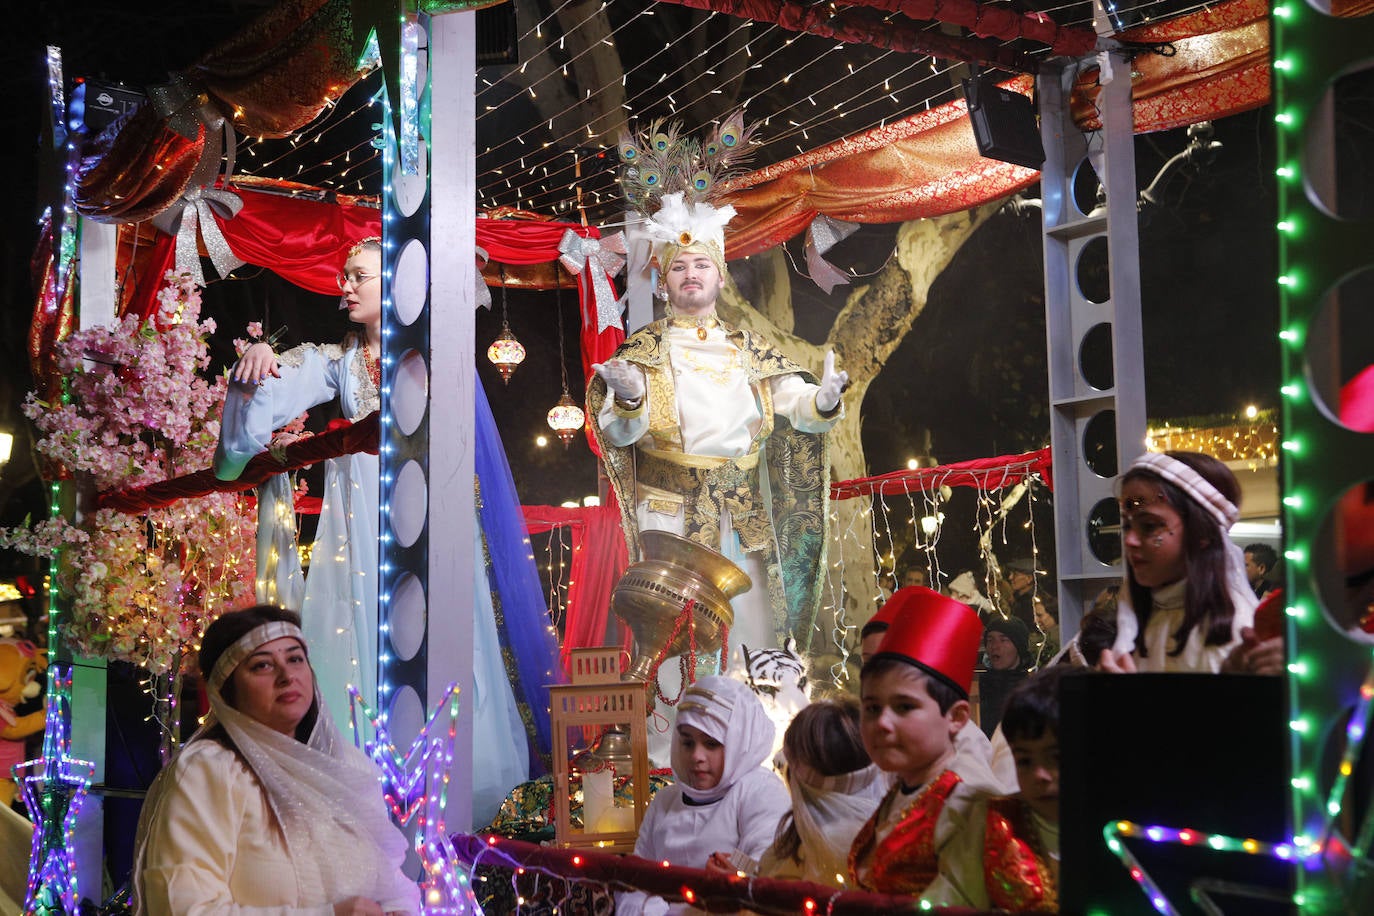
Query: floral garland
{"x": 137, "y": 411}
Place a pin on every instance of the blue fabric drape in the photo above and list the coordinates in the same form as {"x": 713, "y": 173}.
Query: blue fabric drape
{"x": 523, "y": 624}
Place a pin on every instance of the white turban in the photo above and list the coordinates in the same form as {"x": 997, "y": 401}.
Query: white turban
{"x": 728, "y": 711}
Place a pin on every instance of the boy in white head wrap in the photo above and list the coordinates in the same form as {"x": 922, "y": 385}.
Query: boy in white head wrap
{"x": 723, "y": 803}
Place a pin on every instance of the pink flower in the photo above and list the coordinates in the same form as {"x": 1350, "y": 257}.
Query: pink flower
{"x": 255, "y": 329}
{"x": 138, "y": 412}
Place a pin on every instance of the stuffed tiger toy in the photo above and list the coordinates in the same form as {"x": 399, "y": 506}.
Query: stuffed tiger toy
{"x": 778, "y": 677}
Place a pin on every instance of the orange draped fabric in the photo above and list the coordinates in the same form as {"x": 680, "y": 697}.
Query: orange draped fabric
{"x": 1220, "y": 66}
{"x": 269, "y": 80}
{"x": 921, "y": 166}
{"x": 928, "y": 165}
{"x": 278, "y": 74}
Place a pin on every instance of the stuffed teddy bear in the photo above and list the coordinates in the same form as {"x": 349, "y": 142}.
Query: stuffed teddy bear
{"x": 21, "y": 662}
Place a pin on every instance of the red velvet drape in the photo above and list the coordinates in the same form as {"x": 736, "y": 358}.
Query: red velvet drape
{"x": 306, "y": 242}
{"x": 599, "y": 560}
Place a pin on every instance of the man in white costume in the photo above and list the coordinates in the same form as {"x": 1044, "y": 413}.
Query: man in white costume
{"x": 709, "y": 432}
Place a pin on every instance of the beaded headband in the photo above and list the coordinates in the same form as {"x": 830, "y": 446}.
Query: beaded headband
{"x": 246, "y": 645}
{"x": 1197, "y": 487}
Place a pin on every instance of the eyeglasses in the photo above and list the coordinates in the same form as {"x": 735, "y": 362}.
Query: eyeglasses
{"x": 357, "y": 278}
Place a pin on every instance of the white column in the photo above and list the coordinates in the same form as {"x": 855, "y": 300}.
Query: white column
{"x": 96, "y": 308}
{"x": 452, "y": 508}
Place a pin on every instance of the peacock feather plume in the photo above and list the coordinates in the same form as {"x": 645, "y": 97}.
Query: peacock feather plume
{"x": 662, "y": 160}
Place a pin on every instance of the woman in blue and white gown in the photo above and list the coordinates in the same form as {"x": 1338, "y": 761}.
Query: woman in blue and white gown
{"x": 338, "y": 599}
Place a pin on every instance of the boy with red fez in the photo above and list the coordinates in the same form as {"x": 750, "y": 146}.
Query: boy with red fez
{"x": 926, "y": 838}
{"x": 971, "y": 744}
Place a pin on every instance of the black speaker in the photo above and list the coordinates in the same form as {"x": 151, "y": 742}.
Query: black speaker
{"x": 498, "y": 42}
{"x": 1204, "y": 751}
{"x": 1004, "y": 124}
{"x": 106, "y": 101}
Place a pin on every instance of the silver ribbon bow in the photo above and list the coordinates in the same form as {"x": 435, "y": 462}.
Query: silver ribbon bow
{"x": 184, "y": 106}
{"x": 823, "y": 234}
{"x": 483, "y": 295}
{"x": 198, "y": 209}
{"x": 574, "y": 252}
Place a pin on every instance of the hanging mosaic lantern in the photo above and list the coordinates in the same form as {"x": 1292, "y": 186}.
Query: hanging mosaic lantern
{"x": 505, "y": 351}
{"x": 565, "y": 418}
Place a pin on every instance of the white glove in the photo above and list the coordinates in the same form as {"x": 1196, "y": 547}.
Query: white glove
{"x": 833, "y": 385}
{"x": 625, "y": 381}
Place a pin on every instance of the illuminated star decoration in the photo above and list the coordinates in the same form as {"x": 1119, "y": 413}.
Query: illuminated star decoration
{"x": 1115, "y": 831}
{"x": 444, "y": 887}
{"x": 54, "y": 788}
{"x": 379, "y": 21}
{"x": 1301, "y": 847}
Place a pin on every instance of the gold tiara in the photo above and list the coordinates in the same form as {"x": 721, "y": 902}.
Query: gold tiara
{"x": 362, "y": 243}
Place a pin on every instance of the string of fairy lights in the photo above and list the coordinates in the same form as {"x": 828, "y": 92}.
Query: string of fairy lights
{"x": 931, "y": 88}
{"x": 556, "y": 568}
{"x": 1253, "y": 440}
{"x": 536, "y": 167}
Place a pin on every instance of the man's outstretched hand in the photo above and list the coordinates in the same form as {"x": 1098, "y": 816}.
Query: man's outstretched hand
{"x": 625, "y": 381}
{"x": 833, "y": 385}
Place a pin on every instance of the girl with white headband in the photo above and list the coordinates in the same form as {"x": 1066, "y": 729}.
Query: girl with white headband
{"x": 267, "y": 810}
{"x": 1185, "y": 597}
{"x": 724, "y": 806}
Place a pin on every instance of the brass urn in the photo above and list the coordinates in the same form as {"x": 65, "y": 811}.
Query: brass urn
{"x": 654, "y": 592}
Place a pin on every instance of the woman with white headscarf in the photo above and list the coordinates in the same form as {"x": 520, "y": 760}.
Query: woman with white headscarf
{"x": 724, "y": 807}
{"x": 267, "y": 810}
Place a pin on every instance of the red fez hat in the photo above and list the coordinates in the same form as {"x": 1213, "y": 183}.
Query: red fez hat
{"x": 1357, "y": 504}
{"x": 883, "y": 617}
{"x": 935, "y": 633}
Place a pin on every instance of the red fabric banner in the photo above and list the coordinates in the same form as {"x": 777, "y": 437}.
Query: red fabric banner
{"x": 307, "y": 242}
{"x": 304, "y": 241}
{"x": 599, "y": 560}
{"x": 828, "y": 22}
{"x": 713, "y": 892}
{"x": 991, "y": 21}
{"x": 984, "y": 473}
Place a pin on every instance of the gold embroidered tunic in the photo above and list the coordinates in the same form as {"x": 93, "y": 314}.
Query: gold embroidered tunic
{"x": 727, "y": 443}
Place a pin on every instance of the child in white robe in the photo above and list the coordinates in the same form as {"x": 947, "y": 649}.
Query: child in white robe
{"x": 835, "y": 789}
{"x": 725, "y": 806}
